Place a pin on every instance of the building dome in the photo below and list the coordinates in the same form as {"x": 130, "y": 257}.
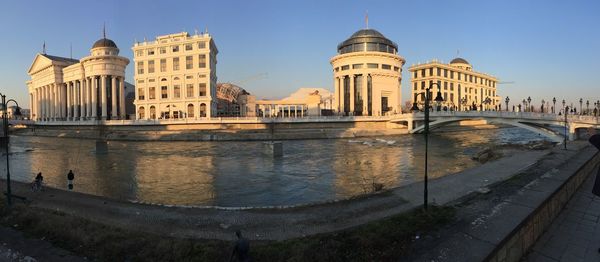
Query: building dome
{"x": 105, "y": 42}
{"x": 374, "y": 41}
{"x": 459, "y": 60}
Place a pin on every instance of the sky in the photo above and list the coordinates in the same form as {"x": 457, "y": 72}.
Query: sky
{"x": 543, "y": 49}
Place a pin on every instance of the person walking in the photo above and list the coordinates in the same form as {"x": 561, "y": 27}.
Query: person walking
{"x": 70, "y": 178}
{"x": 241, "y": 250}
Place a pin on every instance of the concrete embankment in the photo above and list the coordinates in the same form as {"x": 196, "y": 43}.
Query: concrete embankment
{"x": 218, "y": 132}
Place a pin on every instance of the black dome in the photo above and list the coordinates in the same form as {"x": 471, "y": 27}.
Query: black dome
{"x": 366, "y": 36}
{"x": 105, "y": 42}
{"x": 459, "y": 60}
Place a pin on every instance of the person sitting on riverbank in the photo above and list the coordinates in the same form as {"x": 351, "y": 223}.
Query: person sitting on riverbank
{"x": 70, "y": 178}
{"x": 37, "y": 183}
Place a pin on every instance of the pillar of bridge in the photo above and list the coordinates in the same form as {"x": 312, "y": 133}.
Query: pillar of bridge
{"x": 410, "y": 125}
{"x": 572, "y": 133}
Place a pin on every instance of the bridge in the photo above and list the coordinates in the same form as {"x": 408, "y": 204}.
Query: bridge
{"x": 536, "y": 122}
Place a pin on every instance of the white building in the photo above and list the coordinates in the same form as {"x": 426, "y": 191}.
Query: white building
{"x": 92, "y": 88}
{"x": 175, "y": 77}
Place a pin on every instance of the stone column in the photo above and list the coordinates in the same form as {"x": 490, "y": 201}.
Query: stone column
{"x": 64, "y": 106}
{"x": 342, "y": 92}
{"x": 122, "y": 111}
{"x": 336, "y": 83}
{"x": 88, "y": 97}
{"x": 365, "y": 96}
{"x": 69, "y": 100}
{"x": 82, "y": 87}
{"x": 113, "y": 96}
{"x": 42, "y": 102}
{"x": 54, "y": 101}
{"x": 94, "y": 104}
{"x": 76, "y": 100}
{"x": 104, "y": 97}
{"x": 352, "y": 94}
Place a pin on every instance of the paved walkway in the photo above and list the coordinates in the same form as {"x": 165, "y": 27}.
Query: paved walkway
{"x": 575, "y": 234}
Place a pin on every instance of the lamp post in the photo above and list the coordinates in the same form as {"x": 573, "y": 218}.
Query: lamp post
{"x": 566, "y": 129}
{"x": 438, "y": 99}
{"x": 506, "y": 101}
{"x": 463, "y": 101}
{"x": 580, "y": 106}
{"x": 564, "y": 103}
{"x": 5, "y": 122}
{"x": 525, "y": 105}
{"x": 529, "y": 103}
{"x": 554, "y": 105}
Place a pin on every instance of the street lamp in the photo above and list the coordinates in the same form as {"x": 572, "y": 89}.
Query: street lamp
{"x": 5, "y": 122}
{"x": 506, "y": 101}
{"x": 438, "y": 99}
{"x": 564, "y": 103}
{"x": 543, "y": 102}
{"x": 566, "y": 131}
{"x": 525, "y": 104}
{"x": 554, "y": 105}
{"x": 529, "y": 103}
{"x": 580, "y": 106}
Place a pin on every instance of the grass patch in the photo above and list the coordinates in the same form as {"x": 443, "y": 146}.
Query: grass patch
{"x": 382, "y": 240}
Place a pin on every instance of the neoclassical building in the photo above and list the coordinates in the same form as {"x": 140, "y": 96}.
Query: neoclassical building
{"x": 92, "y": 88}
{"x": 175, "y": 77}
{"x": 367, "y": 75}
{"x": 461, "y": 87}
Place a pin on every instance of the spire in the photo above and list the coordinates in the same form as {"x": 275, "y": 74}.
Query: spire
{"x": 44, "y": 48}
{"x": 457, "y": 52}
{"x": 367, "y": 19}
{"x": 71, "y": 47}
{"x": 104, "y": 30}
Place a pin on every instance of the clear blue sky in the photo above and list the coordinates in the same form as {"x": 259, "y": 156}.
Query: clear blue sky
{"x": 548, "y": 48}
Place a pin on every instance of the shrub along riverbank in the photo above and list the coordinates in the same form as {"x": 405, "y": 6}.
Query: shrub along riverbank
{"x": 384, "y": 240}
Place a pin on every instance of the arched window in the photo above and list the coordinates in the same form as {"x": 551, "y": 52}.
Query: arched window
{"x": 190, "y": 111}
{"x": 152, "y": 112}
{"x": 203, "y": 110}
{"x": 141, "y": 112}
{"x": 176, "y": 78}
{"x": 164, "y": 79}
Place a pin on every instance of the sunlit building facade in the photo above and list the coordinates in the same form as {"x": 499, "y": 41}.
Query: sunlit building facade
{"x": 66, "y": 89}
{"x": 460, "y": 86}
{"x": 176, "y": 77}
{"x": 367, "y": 75}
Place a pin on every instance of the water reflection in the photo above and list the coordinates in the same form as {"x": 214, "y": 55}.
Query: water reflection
{"x": 240, "y": 174}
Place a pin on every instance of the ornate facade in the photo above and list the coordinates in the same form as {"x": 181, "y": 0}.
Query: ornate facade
{"x": 175, "y": 77}
{"x": 92, "y": 88}
{"x": 367, "y": 75}
{"x": 461, "y": 87}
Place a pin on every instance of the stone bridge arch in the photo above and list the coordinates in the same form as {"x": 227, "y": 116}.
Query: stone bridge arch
{"x": 531, "y": 126}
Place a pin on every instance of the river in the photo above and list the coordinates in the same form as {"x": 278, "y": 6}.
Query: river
{"x": 233, "y": 174}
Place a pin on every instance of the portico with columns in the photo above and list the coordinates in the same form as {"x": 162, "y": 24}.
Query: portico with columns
{"x": 66, "y": 89}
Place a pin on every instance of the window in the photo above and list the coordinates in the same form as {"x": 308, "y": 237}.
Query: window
{"x": 176, "y": 91}
{"x": 152, "y": 92}
{"x": 151, "y": 80}
{"x": 140, "y": 67}
{"x": 141, "y": 94}
{"x": 150, "y": 51}
{"x": 439, "y": 71}
{"x": 202, "y": 89}
{"x": 201, "y": 76}
{"x": 139, "y": 53}
{"x": 422, "y": 85}
{"x": 164, "y": 92}
{"x": 152, "y": 112}
{"x": 451, "y": 74}
{"x": 163, "y": 65}
{"x": 388, "y": 67}
{"x": 357, "y": 66}
{"x": 189, "y": 90}
{"x": 188, "y": 47}
{"x": 415, "y": 86}
{"x": 142, "y": 112}
{"x": 175, "y": 48}
{"x": 202, "y": 61}
{"x": 471, "y": 79}
{"x": 162, "y": 50}
{"x": 141, "y": 81}
{"x": 371, "y": 65}
{"x": 175, "y": 63}
{"x": 445, "y": 85}
{"x": 396, "y": 68}
{"x": 203, "y": 110}
{"x": 415, "y": 74}
{"x": 190, "y": 110}
{"x": 445, "y": 72}
{"x": 451, "y": 86}
{"x": 189, "y": 62}
{"x": 430, "y": 71}
{"x": 151, "y": 66}
{"x": 423, "y": 73}
{"x": 189, "y": 77}
{"x": 458, "y": 73}
{"x": 451, "y": 97}
{"x": 201, "y": 45}
{"x": 345, "y": 67}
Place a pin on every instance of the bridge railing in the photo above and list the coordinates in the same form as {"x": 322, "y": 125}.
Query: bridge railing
{"x": 505, "y": 114}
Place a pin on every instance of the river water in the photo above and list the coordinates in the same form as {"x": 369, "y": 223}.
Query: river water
{"x": 241, "y": 174}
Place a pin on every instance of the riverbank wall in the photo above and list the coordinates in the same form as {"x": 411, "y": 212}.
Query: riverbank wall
{"x": 218, "y": 129}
